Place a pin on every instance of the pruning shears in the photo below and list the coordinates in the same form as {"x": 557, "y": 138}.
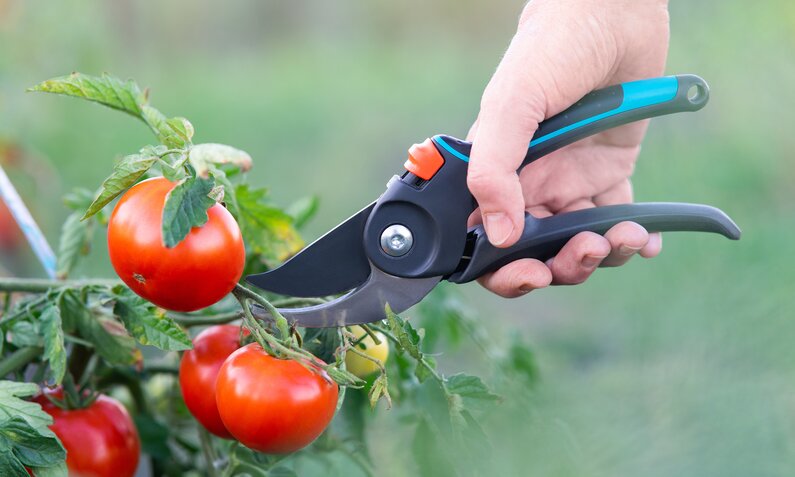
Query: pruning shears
{"x": 398, "y": 248}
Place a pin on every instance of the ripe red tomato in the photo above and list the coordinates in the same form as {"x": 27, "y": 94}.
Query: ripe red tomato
{"x": 196, "y": 273}
{"x": 10, "y": 235}
{"x": 273, "y": 405}
{"x": 100, "y": 440}
{"x": 198, "y": 370}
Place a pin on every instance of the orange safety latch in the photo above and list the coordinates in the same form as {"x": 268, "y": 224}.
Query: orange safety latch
{"x": 424, "y": 160}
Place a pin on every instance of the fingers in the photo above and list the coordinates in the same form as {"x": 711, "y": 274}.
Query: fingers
{"x": 517, "y": 278}
{"x": 653, "y": 247}
{"x": 578, "y": 259}
{"x": 626, "y": 239}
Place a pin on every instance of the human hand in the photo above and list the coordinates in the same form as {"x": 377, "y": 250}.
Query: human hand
{"x": 562, "y": 50}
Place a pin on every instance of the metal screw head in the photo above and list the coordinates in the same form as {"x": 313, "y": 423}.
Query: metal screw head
{"x": 396, "y": 240}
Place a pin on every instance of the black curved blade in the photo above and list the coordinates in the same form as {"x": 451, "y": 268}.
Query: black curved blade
{"x": 365, "y": 304}
{"x": 332, "y": 264}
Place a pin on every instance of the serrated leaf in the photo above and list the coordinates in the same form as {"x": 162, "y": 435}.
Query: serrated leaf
{"x": 108, "y": 336}
{"x": 54, "y": 351}
{"x": 203, "y": 156}
{"x": 125, "y": 173}
{"x": 182, "y": 128}
{"x": 21, "y": 441}
{"x": 110, "y": 91}
{"x": 147, "y": 324}
{"x": 267, "y": 231}
{"x": 471, "y": 389}
{"x": 75, "y": 240}
{"x": 186, "y": 207}
{"x": 407, "y": 336}
{"x": 302, "y": 210}
{"x": 12, "y": 405}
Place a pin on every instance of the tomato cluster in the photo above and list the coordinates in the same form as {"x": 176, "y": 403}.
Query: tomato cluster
{"x": 269, "y": 404}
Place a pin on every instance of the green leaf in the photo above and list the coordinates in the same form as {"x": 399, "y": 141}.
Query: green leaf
{"x": 78, "y": 199}
{"x": 521, "y": 361}
{"x": 24, "y": 333}
{"x": 182, "y": 128}
{"x": 75, "y": 241}
{"x": 125, "y": 173}
{"x": 12, "y": 405}
{"x": 203, "y": 156}
{"x": 471, "y": 389}
{"x": 267, "y": 231}
{"x": 107, "y": 90}
{"x": 58, "y": 470}
{"x": 27, "y": 445}
{"x": 147, "y": 324}
{"x": 124, "y": 96}
{"x": 186, "y": 207}
{"x": 108, "y": 336}
{"x": 421, "y": 372}
{"x": 408, "y": 337}
{"x": 302, "y": 210}
{"x": 54, "y": 351}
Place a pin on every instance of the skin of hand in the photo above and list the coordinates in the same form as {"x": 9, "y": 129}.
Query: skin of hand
{"x": 562, "y": 50}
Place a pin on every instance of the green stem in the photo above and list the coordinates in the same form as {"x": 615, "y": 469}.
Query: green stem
{"x": 19, "y": 358}
{"x": 187, "y": 320}
{"x": 278, "y": 318}
{"x": 41, "y": 285}
{"x": 207, "y": 450}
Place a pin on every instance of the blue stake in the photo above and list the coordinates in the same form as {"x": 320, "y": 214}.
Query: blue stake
{"x": 32, "y": 232}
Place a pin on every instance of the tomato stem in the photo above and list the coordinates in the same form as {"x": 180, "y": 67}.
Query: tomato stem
{"x": 41, "y": 285}
{"x": 18, "y": 359}
{"x": 207, "y": 449}
{"x": 188, "y": 320}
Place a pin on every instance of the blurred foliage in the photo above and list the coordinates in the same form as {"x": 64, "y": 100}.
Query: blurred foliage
{"x": 678, "y": 366}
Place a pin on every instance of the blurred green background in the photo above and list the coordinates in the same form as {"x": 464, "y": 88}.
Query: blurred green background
{"x": 683, "y": 365}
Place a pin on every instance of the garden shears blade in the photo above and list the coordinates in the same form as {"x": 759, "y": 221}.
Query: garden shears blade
{"x": 394, "y": 251}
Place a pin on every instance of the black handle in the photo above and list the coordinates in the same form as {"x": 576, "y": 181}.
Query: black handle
{"x": 605, "y": 109}
{"x": 543, "y": 238}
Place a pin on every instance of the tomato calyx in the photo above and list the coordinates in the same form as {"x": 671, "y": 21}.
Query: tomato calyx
{"x": 69, "y": 396}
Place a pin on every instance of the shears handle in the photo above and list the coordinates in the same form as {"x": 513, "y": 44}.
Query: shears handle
{"x": 543, "y": 238}
{"x": 601, "y": 110}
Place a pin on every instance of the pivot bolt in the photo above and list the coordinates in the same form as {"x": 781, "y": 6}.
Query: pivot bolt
{"x": 396, "y": 240}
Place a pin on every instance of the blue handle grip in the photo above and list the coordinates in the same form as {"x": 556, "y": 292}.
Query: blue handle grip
{"x": 604, "y": 109}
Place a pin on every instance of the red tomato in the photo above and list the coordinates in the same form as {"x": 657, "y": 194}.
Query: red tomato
{"x": 196, "y": 273}
{"x": 199, "y": 368}
{"x": 273, "y": 405}
{"x": 100, "y": 440}
{"x": 10, "y": 235}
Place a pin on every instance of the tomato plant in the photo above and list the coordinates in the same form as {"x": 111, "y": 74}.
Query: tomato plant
{"x": 194, "y": 274}
{"x": 165, "y": 339}
{"x": 100, "y": 439}
{"x": 198, "y": 371}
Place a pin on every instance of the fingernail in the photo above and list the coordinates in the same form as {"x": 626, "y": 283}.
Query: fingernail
{"x": 525, "y": 288}
{"x": 626, "y": 250}
{"x": 591, "y": 261}
{"x": 498, "y": 227}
